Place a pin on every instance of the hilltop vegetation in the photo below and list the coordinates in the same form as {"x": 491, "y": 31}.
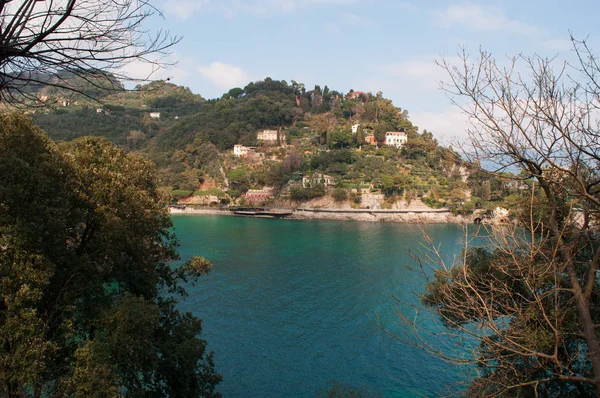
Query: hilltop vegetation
{"x": 190, "y": 140}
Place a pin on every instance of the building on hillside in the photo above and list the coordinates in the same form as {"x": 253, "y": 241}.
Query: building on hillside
{"x": 243, "y": 151}
{"x": 317, "y": 179}
{"x": 357, "y": 95}
{"x": 64, "y": 102}
{"x": 155, "y": 115}
{"x": 370, "y": 139}
{"x": 271, "y": 136}
{"x": 256, "y": 196}
{"x": 240, "y": 150}
{"x": 396, "y": 138}
{"x": 355, "y": 128}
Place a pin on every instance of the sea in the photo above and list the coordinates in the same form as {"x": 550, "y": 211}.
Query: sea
{"x": 292, "y": 308}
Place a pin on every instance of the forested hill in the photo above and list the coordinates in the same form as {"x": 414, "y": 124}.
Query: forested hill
{"x": 233, "y": 118}
{"x": 323, "y": 131}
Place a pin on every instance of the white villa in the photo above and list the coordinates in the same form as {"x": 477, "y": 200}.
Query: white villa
{"x": 310, "y": 181}
{"x": 355, "y": 128}
{"x": 270, "y": 136}
{"x": 396, "y": 138}
{"x": 155, "y": 115}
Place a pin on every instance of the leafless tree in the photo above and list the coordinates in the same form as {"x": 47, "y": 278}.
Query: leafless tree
{"x": 70, "y": 44}
{"x": 522, "y": 303}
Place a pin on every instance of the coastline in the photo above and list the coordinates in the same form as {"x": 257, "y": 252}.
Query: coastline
{"x": 199, "y": 211}
{"x": 431, "y": 216}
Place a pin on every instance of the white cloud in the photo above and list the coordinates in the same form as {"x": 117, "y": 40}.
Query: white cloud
{"x": 484, "y": 18}
{"x": 448, "y": 126}
{"x": 174, "y": 67}
{"x": 186, "y": 8}
{"x": 140, "y": 70}
{"x": 422, "y": 70}
{"x": 223, "y": 75}
{"x": 558, "y": 45}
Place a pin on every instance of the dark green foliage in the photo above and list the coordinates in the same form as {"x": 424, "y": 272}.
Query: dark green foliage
{"x": 340, "y": 194}
{"x": 236, "y": 118}
{"x": 304, "y": 194}
{"x": 181, "y": 193}
{"x": 85, "y": 248}
{"x": 239, "y": 179}
{"x": 323, "y": 160}
{"x": 432, "y": 202}
{"x": 278, "y": 174}
{"x": 188, "y": 150}
{"x": 66, "y": 125}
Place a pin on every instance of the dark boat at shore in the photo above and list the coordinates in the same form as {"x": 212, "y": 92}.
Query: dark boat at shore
{"x": 261, "y": 212}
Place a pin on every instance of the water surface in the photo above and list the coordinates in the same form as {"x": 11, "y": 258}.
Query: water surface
{"x": 289, "y": 305}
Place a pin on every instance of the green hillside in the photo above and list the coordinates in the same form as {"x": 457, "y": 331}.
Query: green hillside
{"x": 191, "y": 139}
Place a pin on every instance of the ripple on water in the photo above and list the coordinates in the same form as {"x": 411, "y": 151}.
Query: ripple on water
{"x": 289, "y": 305}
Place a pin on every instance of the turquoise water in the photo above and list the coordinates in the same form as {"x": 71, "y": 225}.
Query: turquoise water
{"x": 289, "y": 305}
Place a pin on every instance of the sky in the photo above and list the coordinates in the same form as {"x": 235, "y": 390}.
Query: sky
{"x": 365, "y": 45}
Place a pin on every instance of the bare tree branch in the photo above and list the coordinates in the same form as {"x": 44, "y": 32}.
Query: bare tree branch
{"x": 526, "y": 299}
{"x": 74, "y": 44}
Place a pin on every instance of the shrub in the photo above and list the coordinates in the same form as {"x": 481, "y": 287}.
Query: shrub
{"x": 340, "y": 194}
{"x": 432, "y": 202}
{"x": 304, "y": 194}
{"x": 356, "y": 198}
{"x": 212, "y": 191}
{"x": 181, "y": 193}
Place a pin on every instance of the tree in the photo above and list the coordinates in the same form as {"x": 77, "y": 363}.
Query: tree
{"x": 340, "y": 137}
{"x": 527, "y": 299}
{"x": 135, "y": 138}
{"x": 85, "y": 257}
{"x": 340, "y": 194}
{"x": 360, "y": 135}
{"x": 73, "y": 45}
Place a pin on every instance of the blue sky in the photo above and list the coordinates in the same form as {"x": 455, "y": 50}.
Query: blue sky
{"x": 366, "y": 45}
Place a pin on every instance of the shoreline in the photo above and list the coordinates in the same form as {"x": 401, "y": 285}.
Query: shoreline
{"x": 432, "y": 216}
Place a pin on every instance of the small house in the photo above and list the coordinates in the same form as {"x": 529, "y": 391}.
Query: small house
{"x": 240, "y": 150}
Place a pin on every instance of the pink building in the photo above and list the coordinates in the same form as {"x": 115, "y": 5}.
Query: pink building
{"x": 256, "y": 196}
{"x": 370, "y": 139}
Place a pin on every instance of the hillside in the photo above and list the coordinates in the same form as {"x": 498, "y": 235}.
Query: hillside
{"x": 323, "y": 143}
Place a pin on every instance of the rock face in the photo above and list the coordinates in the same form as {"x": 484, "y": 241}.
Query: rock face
{"x": 423, "y": 217}
{"x": 206, "y": 200}
{"x": 208, "y": 184}
{"x": 368, "y": 201}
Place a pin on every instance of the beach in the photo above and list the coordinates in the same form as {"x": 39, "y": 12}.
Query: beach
{"x": 431, "y": 216}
